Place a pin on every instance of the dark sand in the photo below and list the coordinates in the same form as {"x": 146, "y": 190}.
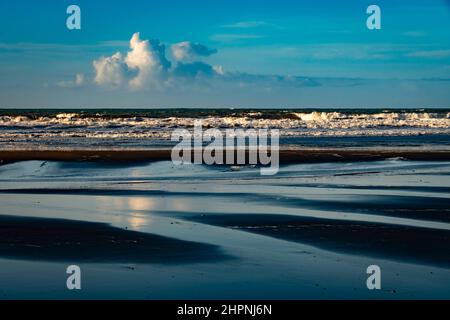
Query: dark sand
{"x": 286, "y": 156}
{"x": 395, "y": 242}
{"x": 62, "y": 240}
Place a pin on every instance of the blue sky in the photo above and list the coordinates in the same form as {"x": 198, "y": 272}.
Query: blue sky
{"x": 225, "y": 54}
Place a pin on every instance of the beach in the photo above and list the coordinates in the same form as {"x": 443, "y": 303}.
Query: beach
{"x": 98, "y": 189}
{"x": 154, "y": 230}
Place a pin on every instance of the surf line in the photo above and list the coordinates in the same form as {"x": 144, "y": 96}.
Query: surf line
{"x": 231, "y": 147}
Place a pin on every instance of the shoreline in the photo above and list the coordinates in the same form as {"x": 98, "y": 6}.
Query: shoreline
{"x": 286, "y": 156}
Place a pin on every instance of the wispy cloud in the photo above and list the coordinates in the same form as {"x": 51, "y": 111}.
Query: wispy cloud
{"x": 430, "y": 54}
{"x": 415, "y": 34}
{"x": 324, "y": 51}
{"x": 39, "y": 49}
{"x": 246, "y": 24}
{"x": 77, "y": 82}
{"x": 232, "y": 37}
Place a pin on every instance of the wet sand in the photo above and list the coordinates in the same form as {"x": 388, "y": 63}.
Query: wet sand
{"x": 155, "y": 230}
{"x": 401, "y": 243}
{"x": 411, "y": 207}
{"x": 43, "y": 239}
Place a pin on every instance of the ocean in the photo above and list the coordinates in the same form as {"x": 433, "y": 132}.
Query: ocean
{"x": 152, "y": 128}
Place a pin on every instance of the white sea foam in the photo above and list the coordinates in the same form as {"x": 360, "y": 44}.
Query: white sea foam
{"x": 291, "y": 124}
{"x": 324, "y": 120}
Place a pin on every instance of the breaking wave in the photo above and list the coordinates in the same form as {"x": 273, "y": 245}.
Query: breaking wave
{"x": 57, "y": 125}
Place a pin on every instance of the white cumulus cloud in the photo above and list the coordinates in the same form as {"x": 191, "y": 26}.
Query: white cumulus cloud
{"x": 109, "y": 71}
{"x": 144, "y": 62}
{"x": 148, "y": 58}
{"x": 188, "y": 51}
{"x": 145, "y": 65}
